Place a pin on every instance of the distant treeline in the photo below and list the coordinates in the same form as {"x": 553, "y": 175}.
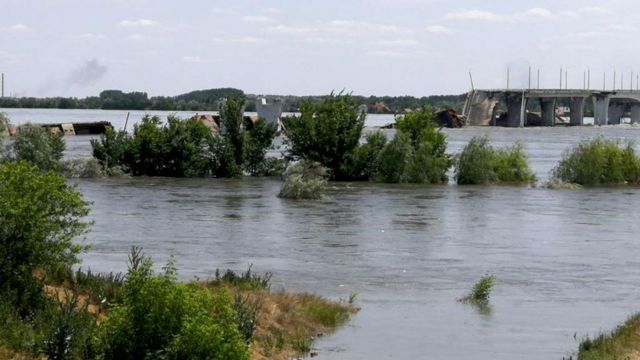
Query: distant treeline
{"x": 210, "y": 100}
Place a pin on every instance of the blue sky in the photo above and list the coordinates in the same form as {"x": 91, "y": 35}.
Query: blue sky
{"x": 303, "y": 47}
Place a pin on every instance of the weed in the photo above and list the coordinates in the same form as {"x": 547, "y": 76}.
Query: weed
{"x": 481, "y": 290}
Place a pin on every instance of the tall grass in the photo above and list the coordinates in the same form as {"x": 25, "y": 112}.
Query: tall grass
{"x": 599, "y": 161}
{"x": 480, "y": 163}
{"x": 622, "y": 343}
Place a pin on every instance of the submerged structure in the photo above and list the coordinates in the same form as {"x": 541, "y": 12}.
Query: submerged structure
{"x": 483, "y": 107}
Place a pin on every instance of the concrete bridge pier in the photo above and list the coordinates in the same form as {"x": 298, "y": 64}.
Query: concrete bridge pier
{"x": 516, "y": 109}
{"x": 548, "y": 106}
{"x": 616, "y": 111}
{"x": 577, "y": 111}
{"x": 600, "y": 109}
{"x": 635, "y": 113}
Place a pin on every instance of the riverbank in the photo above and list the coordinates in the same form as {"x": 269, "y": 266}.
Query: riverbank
{"x": 621, "y": 343}
{"x": 284, "y": 324}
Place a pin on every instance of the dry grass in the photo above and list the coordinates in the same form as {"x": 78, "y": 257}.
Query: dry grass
{"x": 288, "y": 323}
{"x": 7, "y": 354}
{"x": 622, "y": 343}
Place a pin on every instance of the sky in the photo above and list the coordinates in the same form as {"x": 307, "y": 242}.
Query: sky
{"x": 311, "y": 47}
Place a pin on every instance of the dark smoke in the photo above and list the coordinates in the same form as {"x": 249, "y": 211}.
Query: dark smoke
{"x": 88, "y": 73}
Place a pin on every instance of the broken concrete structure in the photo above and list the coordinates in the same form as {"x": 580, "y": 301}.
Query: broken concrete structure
{"x": 609, "y": 106}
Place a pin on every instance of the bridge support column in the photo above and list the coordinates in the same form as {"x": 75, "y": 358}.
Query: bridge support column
{"x": 577, "y": 111}
{"x": 635, "y": 113}
{"x": 516, "y": 109}
{"x": 548, "y": 106}
{"x": 616, "y": 110}
{"x": 600, "y": 109}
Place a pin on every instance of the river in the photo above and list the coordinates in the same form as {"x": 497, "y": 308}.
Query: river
{"x": 567, "y": 262}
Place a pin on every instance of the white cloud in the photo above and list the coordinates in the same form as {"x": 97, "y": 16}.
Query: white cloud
{"x": 137, "y": 23}
{"x": 135, "y": 37}
{"x": 222, "y": 11}
{"x": 15, "y": 28}
{"x": 238, "y": 40}
{"x": 360, "y": 27}
{"x": 284, "y": 29}
{"x": 398, "y": 43}
{"x": 439, "y": 29}
{"x": 539, "y": 12}
{"x": 595, "y": 10}
{"x": 192, "y": 59}
{"x": 88, "y": 37}
{"x": 258, "y": 19}
{"x": 488, "y": 16}
{"x": 472, "y": 15}
{"x": 385, "y": 53}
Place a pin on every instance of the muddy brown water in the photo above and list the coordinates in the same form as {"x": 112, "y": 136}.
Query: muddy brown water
{"x": 567, "y": 262}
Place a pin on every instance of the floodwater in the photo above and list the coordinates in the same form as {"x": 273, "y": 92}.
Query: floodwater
{"x": 567, "y": 262}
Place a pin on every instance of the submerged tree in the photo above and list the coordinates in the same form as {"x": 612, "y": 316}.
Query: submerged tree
{"x": 326, "y": 132}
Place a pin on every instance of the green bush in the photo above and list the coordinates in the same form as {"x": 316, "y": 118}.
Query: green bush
{"x": 40, "y": 215}
{"x": 39, "y": 146}
{"x": 326, "y": 132}
{"x": 599, "y": 161}
{"x": 162, "y": 319}
{"x": 257, "y": 141}
{"x": 82, "y": 168}
{"x": 361, "y": 162}
{"x": 304, "y": 180}
{"x": 72, "y": 331}
{"x": 188, "y": 148}
{"x": 417, "y": 153}
{"x": 392, "y": 161}
{"x": 481, "y": 290}
{"x": 479, "y": 163}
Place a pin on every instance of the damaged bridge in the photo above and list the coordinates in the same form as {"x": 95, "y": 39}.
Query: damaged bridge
{"x": 483, "y": 106}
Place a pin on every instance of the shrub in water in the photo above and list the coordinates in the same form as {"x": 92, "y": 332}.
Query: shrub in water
{"x": 39, "y": 146}
{"x": 481, "y": 290}
{"x": 326, "y": 132}
{"x": 257, "y": 141}
{"x": 304, "y": 180}
{"x": 162, "y": 319}
{"x": 417, "y": 154}
{"x": 361, "y": 162}
{"x": 599, "y": 161}
{"x": 480, "y": 163}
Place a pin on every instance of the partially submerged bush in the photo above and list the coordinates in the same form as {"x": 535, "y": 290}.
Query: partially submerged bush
{"x": 481, "y": 290}
{"x": 480, "y": 163}
{"x": 417, "y": 153}
{"x": 82, "y": 168}
{"x": 326, "y": 132}
{"x": 361, "y": 162}
{"x": 160, "y": 317}
{"x": 304, "y": 180}
{"x": 188, "y": 148}
{"x": 39, "y": 146}
{"x": 599, "y": 161}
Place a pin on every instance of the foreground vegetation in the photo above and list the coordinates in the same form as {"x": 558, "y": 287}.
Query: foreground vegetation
{"x": 599, "y": 161}
{"x": 50, "y": 311}
{"x": 622, "y": 343}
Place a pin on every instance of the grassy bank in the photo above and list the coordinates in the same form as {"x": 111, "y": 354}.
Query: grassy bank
{"x": 621, "y": 343}
{"x": 273, "y": 324}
